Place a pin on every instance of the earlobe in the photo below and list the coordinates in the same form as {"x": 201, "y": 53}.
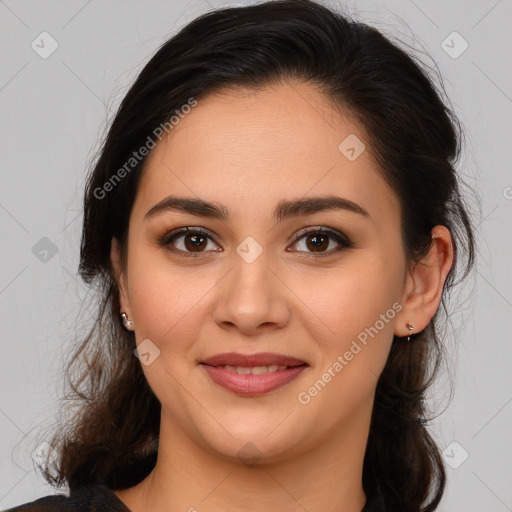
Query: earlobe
{"x": 115, "y": 260}
{"x": 425, "y": 282}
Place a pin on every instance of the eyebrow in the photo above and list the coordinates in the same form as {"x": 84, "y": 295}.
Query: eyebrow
{"x": 285, "y": 209}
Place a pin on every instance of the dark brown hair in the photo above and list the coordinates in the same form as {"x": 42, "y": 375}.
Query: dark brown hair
{"x": 415, "y": 139}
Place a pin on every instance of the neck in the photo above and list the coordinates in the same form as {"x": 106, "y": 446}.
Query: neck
{"x": 189, "y": 477}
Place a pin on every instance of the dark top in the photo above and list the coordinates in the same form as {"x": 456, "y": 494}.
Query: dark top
{"x": 99, "y": 498}
{"x": 93, "y": 498}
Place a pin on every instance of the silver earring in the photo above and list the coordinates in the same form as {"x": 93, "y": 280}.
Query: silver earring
{"x": 128, "y": 324}
{"x": 410, "y": 327}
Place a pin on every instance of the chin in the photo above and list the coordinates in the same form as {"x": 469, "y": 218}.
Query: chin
{"x": 250, "y": 446}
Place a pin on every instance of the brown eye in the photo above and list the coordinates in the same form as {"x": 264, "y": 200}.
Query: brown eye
{"x": 318, "y": 240}
{"x": 188, "y": 241}
{"x": 194, "y": 242}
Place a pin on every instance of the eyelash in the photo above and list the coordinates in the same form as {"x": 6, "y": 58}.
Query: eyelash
{"x": 342, "y": 240}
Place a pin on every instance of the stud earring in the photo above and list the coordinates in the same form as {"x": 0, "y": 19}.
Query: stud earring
{"x": 128, "y": 324}
{"x": 410, "y": 327}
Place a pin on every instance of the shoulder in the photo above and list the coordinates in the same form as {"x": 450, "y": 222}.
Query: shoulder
{"x": 86, "y": 498}
{"x": 48, "y": 503}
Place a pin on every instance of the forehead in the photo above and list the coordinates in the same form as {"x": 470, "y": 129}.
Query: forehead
{"x": 283, "y": 141}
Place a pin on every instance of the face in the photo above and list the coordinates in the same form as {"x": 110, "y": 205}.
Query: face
{"x": 320, "y": 284}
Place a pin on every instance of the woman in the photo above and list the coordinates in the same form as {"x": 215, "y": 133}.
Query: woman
{"x": 274, "y": 221}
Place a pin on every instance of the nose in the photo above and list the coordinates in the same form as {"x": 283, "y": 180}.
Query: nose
{"x": 251, "y": 298}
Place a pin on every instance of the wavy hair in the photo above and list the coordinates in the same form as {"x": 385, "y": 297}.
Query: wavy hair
{"x": 416, "y": 140}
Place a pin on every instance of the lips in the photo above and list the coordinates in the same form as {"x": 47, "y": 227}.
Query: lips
{"x": 253, "y": 374}
{"x": 251, "y": 360}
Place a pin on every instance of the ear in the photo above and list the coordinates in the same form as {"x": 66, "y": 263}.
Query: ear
{"x": 424, "y": 284}
{"x": 120, "y": 276}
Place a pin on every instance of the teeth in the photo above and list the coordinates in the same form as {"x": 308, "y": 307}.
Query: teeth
{"x": 255, "y": 370}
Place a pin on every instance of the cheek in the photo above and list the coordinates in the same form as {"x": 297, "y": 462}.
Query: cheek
{"x": 166, "y": 301}
{"x": 358, "y": 312}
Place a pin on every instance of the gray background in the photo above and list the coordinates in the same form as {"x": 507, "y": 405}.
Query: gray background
{"x": 53, "y": 113}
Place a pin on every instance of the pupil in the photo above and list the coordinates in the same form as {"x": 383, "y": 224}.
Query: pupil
{"x": 195, "y": 241}
{"x": 318, "y": 241}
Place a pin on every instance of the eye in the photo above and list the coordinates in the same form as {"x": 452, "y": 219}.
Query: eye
{"x": 194, "y": 241}
{"x": 318, "y": 240}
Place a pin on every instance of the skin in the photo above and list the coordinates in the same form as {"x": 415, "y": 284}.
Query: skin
{"x": 247, "y": 151}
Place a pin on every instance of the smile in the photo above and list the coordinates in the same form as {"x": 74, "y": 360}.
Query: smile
{"x": 256, "y": 380}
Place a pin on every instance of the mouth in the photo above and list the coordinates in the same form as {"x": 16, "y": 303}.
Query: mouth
{"x": 262, "y": 359}
{"x": 255, "y": 370}
{"x": 253, "y": 374}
